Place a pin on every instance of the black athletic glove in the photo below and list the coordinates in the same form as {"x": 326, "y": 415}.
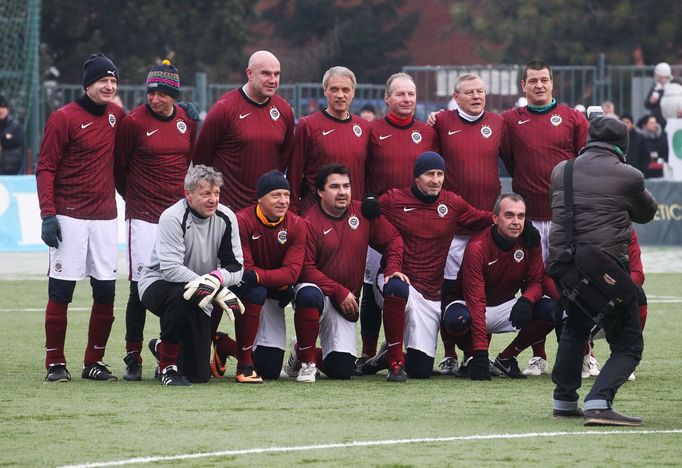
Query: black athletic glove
{"x": 50, "y": 232}
{"x": 249, "y": 280}
{"x": 285, "y": 296}
{"x": 479, "y": 367}
{"x": 370, "y": 207}
{"x": 530, "y": 235}
{"x": 190, "y": 110}
{"x": 521, "y": 313}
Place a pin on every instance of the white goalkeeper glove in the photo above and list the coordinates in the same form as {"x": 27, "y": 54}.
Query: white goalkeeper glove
{"x": 229, "y": 302}
{"x": 202, "y": 290}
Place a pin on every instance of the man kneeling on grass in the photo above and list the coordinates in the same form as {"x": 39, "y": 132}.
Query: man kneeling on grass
{"x": 197, "y": 255}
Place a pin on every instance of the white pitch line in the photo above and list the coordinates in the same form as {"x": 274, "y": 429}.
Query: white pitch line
{"x": 365, "y": 443}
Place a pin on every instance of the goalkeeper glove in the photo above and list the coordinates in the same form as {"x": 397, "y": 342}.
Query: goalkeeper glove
{"x": 521, "y": 312}
{"x": 229, "y": 302}
{"x": 530, "y": 235}
{"x": 479, "y": 367}
{"x": 201, "y": 290}
{"x": 370, "y": 207}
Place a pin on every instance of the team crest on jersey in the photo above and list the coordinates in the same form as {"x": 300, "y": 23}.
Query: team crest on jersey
{"x": 442, "y": 210}
{"x": 357, "y": 130}
{"x": 416, "y": 137}
{"x": 518, "y": 255}
{"x": 282, "y": 236}
{"x": 556, "y": 120}
{"x": 140, "y": 266}
{"x": 182, "y": 126}
{"x": 353, "y": 222}
{"x": 486, "y": 131}
{"x": 274, "y": 113}
{"x": 112, "y": 120}
{"x": 58, "y": 267}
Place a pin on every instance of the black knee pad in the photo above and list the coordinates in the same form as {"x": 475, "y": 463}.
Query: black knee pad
{"x": 268, "y": 361}
{"x": 456, "y": 318}
{"x": 338, "y": 365}
{"x": 60, "y": 290}
{"x": 417, "y": 364}
{"x": 257, "y": 295}
{"x": 397, "y": 288}
{"x": 544, "y": 310}
{"x": 103, "y": 291}
{"x": 310, "y": 297}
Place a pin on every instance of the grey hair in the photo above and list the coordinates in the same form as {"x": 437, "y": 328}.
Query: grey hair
{"x": 465, "y": 77}
{"x": 515, "y": 197}
{"x": 200, "y": 172}
{"x": 394, "y": 77}
{"x": 343, "y": 71}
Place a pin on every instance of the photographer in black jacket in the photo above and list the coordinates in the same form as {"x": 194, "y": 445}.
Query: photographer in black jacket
{"x": 607, "y": 196}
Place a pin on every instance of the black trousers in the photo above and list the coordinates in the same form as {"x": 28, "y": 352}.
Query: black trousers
{"x": 626, "y": 344}
{"x": 182, "y": 322}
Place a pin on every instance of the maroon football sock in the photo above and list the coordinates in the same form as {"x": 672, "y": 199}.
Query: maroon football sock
{"x": 226, "y": 346}
{"x": 369, "y": 345}
{"x": 394, "y": 327}
{"x": 246, "y": 328}
{"x": 101, "y": 319}
{"x": 449, "y": 342}
{"x": 307, "y": 324}
{"x": 168, "y": 354}
{"x": 55, "y": 332}
{"x": 539, "y": 349}
{"x": 135, "y": 348}
{"x": 532, "y": 332}
{"x": 216, "y": 316}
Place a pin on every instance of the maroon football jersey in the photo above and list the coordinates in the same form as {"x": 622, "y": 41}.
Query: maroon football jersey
{"x": 534, "y": 144}
{"x": 337, "y": 248}
{"x": 244, "y": 140}
{"x": 391, "y": 153}
{"x": 275, "y": 253}
{"x": 470, "y": 150}
{"x": 492, "y": 276}
{"x": 320, "y": 140}
{"x": 427, "y": 230}
{"x": 75, "y": 172}
{"x": 152, "y": 157}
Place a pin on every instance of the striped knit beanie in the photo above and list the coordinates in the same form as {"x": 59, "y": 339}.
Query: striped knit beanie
{"x": 165, "y": 79}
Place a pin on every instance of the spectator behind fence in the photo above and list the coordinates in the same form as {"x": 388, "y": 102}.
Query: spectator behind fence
{"x": 662, "y": 76}
{"x": 656, "y": 144}
{"x": 637, "y": 155}
{"x": 11, "y": 141}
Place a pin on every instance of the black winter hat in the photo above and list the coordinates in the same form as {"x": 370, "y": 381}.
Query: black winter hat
{"x": 609, "y": 130}
{"x": 428, "y": 161}
{"x": 3, "y": 101}
{"x": 273, "y": 180}
{"x": 98, "y": 66}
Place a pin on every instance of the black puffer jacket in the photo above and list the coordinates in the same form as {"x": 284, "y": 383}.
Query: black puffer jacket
{"x": 607, "y": 196}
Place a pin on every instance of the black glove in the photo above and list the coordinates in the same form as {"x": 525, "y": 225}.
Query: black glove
{"x": 521, "y": 313}
{"x": 50, "y": 232}
{"x": 530, "y": 235}
{"x": 190, "y": 110}
{"x": 241, "y": 289}
{"x": 370, "y": 207}
{"x": 285, "y": 296}
{"x": 479, "y": 367}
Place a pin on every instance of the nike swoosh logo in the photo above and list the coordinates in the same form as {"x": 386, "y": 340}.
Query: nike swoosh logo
{"x": 86, "y": 125}
{"x": 152, "y": 132}
{"x": 327, "y": 132}
{"x": 246, "y": 348}
{"x": 255, "y": 237}
{"x": 490, "y": 263}
{"x": 406, "y": 209}
{"x": 326, "y": 231}
{"x": 383, "y": 137}
{"x": 302, "y": 348}
{"x": 394, "y": 344}
{"x": 99, "y": 347}
{"x": 521, "y": 122}
{"x": 452, "y": 132}
{"x": 47, "y": 350}
{"x": 245, "y": 115}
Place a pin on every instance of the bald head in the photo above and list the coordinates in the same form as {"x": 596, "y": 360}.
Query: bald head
{"x": 263, "y": 74}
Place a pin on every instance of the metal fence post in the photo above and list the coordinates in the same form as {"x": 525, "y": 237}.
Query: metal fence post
{"x": 201, "y": 94}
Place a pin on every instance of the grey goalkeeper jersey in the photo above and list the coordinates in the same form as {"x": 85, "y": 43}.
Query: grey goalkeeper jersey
{"x": 188, "y": 246}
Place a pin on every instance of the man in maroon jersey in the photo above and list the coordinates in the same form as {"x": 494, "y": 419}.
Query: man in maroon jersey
{"x": 394, "y": 143}
{"x": 248, "y": 132}
{"x": 326, "y": 301}
{"x": 273, "y": 243}
{"x": 154, "y": 146}
{"x": 332, "y": 135}
{"x": 427, "y": 218}
{"x": 469, "y": 140}
{"x": 497, "y": 264}
{"x": 77, "y": 204}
